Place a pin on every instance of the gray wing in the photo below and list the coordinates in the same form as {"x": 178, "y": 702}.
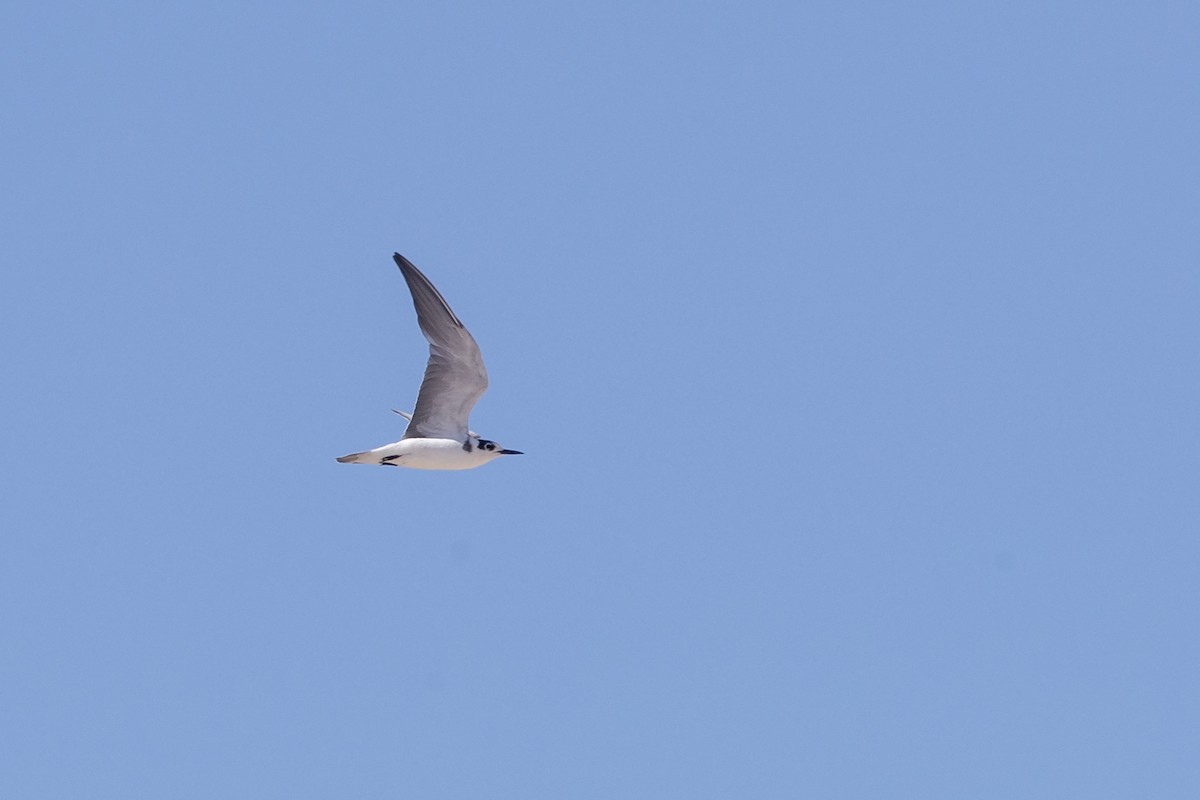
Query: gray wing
{"x": 454, "y": 377}
{"x": 409, "y": 416}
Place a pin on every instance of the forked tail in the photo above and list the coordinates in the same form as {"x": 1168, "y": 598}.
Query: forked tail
{"x": 354, "y": 458}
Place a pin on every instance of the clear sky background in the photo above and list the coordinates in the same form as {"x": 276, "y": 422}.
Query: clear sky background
{"x": 852, "y": 347}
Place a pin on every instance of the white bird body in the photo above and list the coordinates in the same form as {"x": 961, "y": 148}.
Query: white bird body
{"x": 437, "y": 436}
{"x": 426, "y": 454}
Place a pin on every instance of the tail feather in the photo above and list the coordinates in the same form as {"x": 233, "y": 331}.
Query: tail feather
{"x": 353, "y": 458}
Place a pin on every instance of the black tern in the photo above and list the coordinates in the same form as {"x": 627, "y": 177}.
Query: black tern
{"x": 437, "y": 436}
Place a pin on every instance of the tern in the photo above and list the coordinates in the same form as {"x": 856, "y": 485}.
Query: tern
{"x": 437, "y": 436}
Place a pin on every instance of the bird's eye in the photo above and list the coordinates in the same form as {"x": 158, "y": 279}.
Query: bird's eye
{"x": 489, "y": 446}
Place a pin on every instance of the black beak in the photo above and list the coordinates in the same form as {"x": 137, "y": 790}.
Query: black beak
{"x": 511, "y": 453}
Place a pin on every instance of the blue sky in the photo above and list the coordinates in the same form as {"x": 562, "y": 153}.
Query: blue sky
{"x": 852, "y": 347}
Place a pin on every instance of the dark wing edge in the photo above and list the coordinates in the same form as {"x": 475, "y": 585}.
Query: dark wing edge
{"x": 427, "y": 300}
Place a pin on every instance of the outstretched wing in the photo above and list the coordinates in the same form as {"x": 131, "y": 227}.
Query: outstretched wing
{"x": 454, "y": 377}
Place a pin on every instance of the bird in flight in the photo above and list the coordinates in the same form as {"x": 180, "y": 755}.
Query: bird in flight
{"x": 437, "y": 436}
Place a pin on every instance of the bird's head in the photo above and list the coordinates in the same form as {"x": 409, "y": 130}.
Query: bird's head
{"x": 491, "y": 448}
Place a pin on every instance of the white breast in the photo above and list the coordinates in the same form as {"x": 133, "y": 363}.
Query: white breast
{"x": 433, "y": 454}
